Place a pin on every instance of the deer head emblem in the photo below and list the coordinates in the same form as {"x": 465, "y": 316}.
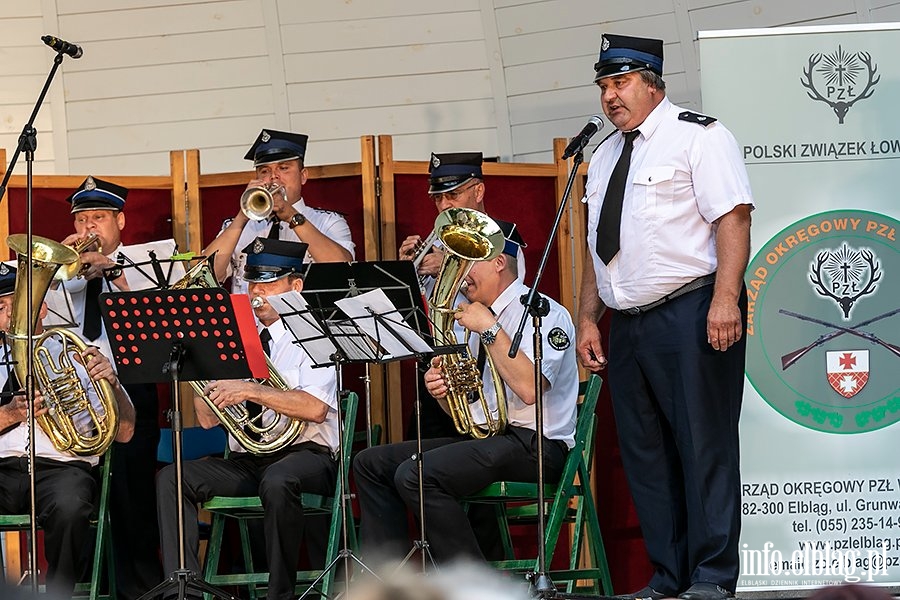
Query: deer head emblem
{"x": 845, "y": 269}
{"x": 840, "y": 71}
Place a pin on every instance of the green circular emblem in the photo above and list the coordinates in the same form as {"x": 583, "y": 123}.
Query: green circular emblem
{"x": 823, "y": 335}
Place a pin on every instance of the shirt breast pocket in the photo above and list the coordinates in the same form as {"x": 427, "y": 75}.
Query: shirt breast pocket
{"x": 652, "y": 190}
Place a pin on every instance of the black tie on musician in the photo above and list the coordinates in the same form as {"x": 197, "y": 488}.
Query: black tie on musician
{"x": 611, "y": 213}
{"x": 254, "y": 409}
{"x": 92, "y": 326}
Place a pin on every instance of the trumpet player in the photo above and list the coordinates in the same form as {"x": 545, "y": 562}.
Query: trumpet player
{"x": 98, "y": 210}
{"x": 278, "y": 158}
{"x": 272, "y": 267}
{"x": 65, "y": 489}
{"x": 387, "y": 476}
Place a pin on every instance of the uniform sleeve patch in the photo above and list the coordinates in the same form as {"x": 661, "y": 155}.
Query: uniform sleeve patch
{"x": 558, "y": 338}
{"x": 692, "y": 117}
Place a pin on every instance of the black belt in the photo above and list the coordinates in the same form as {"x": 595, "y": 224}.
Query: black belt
{"x": 688, "y": 287}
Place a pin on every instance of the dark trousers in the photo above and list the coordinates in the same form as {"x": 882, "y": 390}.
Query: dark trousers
{"x": 677, "y": 403}
{"x": 133, "y": 499}
{"x": 387, "y": 481}
{"x": 278, "y": 480}
{"x": 65, "y": 495}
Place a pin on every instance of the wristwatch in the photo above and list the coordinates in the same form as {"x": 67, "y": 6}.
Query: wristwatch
{"x": 489, "y": 335}
{"x": 297, "y": 219}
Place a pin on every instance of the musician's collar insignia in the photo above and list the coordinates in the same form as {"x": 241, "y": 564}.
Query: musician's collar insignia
{"x": 258, "y": 246}
{"x": 90, "y": 184}
{"x": 265, "y": 137}
{"x": 558, "y": 338}
{"x": 435, "y": 161}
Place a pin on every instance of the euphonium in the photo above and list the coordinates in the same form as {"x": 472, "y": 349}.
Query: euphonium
{"x": 268, "y": 431}
{"x": 468, "y": 236}
{"x": 72, "y": 423}
{"x": 259, "y": 202}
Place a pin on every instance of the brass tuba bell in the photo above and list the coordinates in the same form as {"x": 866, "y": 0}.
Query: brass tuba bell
{"x": 72, "y": 422}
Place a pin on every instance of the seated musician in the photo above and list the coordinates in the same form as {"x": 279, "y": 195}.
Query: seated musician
{"x": 306, "y": 465}
{"x": 65, "y": 492}
{"x": 387, "y": 476}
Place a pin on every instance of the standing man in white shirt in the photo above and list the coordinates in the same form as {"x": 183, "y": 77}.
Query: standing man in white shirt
{"x": 668, "y": 241}
{"x": 278, "y": 157}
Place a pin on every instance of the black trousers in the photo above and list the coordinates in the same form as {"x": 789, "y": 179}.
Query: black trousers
{"x": 133, "y": 499}
{"x": 277, "y": 479}
{"x": 65, "y": 495}
{"x": 677, "y": 403}
{"x": 387, "y": 483}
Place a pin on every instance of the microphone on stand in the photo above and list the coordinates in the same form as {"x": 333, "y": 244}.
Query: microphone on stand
{"x": 581, "y": 140}
{"x": 62, "y": 46}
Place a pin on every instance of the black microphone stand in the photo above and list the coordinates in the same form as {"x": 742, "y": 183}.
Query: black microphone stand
{"x": 28, "y": 144}
{"x": 538, "y": 307}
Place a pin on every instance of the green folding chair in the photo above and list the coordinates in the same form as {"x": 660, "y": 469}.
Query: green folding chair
{"x": 88, "y": 590}
{"x": 568, "y": 502}
{"x": 244, "y": 508}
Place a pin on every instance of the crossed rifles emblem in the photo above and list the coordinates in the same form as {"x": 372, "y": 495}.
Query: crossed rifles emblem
{"x": 791, "y": 357}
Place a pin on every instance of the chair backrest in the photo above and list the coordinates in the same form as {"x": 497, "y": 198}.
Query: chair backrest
{"x": 589, "y": 391}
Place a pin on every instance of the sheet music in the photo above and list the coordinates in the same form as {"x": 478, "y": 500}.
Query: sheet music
{"x": 396, "y": 339}
{"x": 142, "y": 278}
{"x": 298, "y": 319}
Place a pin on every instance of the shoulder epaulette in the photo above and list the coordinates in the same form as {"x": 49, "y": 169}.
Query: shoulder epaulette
{"x": 325, "y": 210}
{"x": 692, "y": 117}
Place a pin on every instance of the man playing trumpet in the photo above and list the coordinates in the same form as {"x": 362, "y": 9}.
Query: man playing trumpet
{"x": 272, "y": 267}
{"x": 278, "y": 159}
{"x": 65, "y": 489}
{"x": 387, "y": 476}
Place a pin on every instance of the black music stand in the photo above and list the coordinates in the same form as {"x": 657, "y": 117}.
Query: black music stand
{"x": 330, "y": 336}
{"x": 174, "y": 335}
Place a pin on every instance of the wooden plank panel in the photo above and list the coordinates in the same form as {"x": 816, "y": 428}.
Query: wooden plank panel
{"x": 389, "y": 91}
{"x": 508, "y": 3}
{"x": 767, "y": 13}
{"x": 175, "y": 107}
{"x": 169, "y": 20}
{"x": 538, "y": 137}
{"x": 291, "y": 11}
{"x": 166, "y": 79}
{"x": 886, "y": 14}
{"x": 19, "y": 89}
{"x": 533, "y": 157}
{"x": 26, "y": 60}
{"x": 22, "y": 31}
{"x": 15, "y": 10}
{"x": 16, "y": 115}
{"x": 383, "y": 62}
{"x": 449, "y": 116}
{"x": 44, "y": 153}
{"x": 376, "y": 33}
{"x": 419, "y": 146}
{"x": 567, "y": 14}
{"x": 168, "y": 49}
{"x": 68, "y": 7}
{"x": 581, "y": 41}
{"x": 150, "y": 163}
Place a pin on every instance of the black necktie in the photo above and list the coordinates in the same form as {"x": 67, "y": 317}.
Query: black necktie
{"x": 91, "y": 328}
{"x": 611, "y": 213}
{"x": 266, "y": 338}
{"x": 254, "y": 409}
{"x": 275, "y": 229}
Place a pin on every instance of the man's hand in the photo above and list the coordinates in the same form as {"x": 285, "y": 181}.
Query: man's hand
{"x": 228, "y": 392}
{"x": 17, "y": 409}
{"x": 475, "y": 317}
{"x": 408, "y": 247}
{"x": 98, "y": 366}
{"x": 589, "y": 347}
{"x": 723, "y": 324}
{"x": 93, "y": 264}
{"x": 434, "y": 379}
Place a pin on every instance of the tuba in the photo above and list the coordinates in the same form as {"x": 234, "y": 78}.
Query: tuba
{"x": 72, "y": 423}
{"x": 468, "y": 236}
{"x": 268, "y": 431}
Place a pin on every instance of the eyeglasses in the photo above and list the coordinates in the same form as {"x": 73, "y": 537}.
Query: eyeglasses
{"x": 452, "y": 195}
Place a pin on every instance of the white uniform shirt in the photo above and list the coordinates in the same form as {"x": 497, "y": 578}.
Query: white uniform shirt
{"x": 331, "y": 224}
{"x": 683, "y": 177}
{"x": 14, "y": 442}
{"x": 558, "y": 366}
{"x": 77, "y": 288}
{"x": 296, "y": 368}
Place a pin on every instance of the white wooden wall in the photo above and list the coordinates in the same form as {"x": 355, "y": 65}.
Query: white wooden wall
{"x": 501, "y": 76}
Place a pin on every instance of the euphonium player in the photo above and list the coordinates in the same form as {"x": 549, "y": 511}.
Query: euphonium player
{"x": 65, "y": 490}
{"x": 387, "y": 477}
{"x": 272, "y": 267}
{"x": 278, "y": 157}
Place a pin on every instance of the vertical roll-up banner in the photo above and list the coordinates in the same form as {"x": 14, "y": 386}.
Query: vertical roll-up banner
{"x": 815, "y": 112}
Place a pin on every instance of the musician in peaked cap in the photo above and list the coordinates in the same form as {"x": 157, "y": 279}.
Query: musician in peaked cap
{"x": 668, "y": 241}
{"x": 278, "y": 157}
{"x": 455, "y": 466}
{"x": 306, "y": 465}
{"x": 65, "y": 489}
{"x": 98, "y": 208}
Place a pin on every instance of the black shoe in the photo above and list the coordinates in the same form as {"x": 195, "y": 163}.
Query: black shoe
{"x": 647, "y": 593}
{"x": 705, "y": 591}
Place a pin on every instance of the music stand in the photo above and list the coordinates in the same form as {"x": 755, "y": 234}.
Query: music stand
{"x": 174, "y": 335}
{"x": 355, "y": 313}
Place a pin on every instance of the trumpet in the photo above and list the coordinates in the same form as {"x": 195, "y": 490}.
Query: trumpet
{"x": 77, "y": 268}
{"x": 420, "y": 251}
{"x": 256, "y": 302}
{"x": 259, "y": 202}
